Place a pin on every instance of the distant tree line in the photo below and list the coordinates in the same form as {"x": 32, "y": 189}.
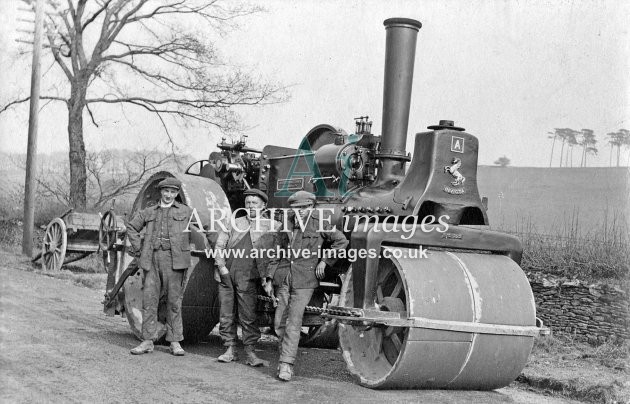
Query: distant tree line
{"x": 585, "y": 139}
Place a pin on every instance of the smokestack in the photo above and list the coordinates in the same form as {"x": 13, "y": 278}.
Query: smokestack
{"x": 400, "y": 53}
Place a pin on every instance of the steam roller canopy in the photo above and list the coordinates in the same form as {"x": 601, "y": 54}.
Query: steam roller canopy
{"x": 446, "y": 288}
{"x": 200, "y": 305}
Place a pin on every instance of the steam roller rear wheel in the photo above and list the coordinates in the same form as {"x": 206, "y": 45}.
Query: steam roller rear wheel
{"x": 200, "y": 304}
{"x": 449, "y": 286}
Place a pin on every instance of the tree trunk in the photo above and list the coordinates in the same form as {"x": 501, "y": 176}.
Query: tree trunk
{"x": 552, "y": 146}
{"x": 610, "y": 157}
{"x": 618, "y": 151}
{"x": 78, "y": 175}
{"x": 561, "y": 152}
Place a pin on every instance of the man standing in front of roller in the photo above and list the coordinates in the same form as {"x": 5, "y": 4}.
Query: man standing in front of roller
{"x": 304, "y": 271}
{"x": 164, "y": 257}
{"x": 240, "y": 276}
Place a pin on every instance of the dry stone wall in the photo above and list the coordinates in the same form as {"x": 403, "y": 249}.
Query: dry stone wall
{"x": 595, "y": 313}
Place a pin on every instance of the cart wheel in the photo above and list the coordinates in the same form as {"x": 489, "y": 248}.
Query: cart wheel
{"x": 107, "y": 232}
{"x": 54, "y": 245}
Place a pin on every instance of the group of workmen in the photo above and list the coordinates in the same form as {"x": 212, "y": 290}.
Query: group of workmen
{"x": 289, "y": 280}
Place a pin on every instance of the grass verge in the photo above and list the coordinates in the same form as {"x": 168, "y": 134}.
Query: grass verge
{"x": 88, "y": 273}
{"x": 579, "y": 371}
{"x": 570, "y": 251}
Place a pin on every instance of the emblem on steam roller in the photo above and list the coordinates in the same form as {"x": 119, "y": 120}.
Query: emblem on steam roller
{"x": 454, "y": 171}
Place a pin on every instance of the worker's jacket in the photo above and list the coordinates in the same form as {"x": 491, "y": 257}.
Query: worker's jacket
{"x": 304, "y": 251}
{"x": 263, "y": 237}
{"x": 178, "y": 217}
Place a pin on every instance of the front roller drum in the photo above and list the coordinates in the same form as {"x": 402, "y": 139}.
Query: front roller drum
{"x": 469, "y": 323}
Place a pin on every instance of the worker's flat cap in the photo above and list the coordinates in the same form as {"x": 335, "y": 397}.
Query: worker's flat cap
{"x": 302, "y": 198}
{"x": 256, "y": 192}
{"x": 170, "y": 183}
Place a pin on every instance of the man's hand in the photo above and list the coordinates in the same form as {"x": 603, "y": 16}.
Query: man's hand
{"x": 134, "y": 253}
{"x": 268, "y": 287}
{"x": 320, "y": 271}
{"x": 224, "y": 271}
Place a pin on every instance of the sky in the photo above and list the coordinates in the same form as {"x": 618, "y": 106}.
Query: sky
{"x": 507, "y": 71}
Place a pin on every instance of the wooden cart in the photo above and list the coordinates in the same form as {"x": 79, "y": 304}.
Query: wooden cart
{"x": 74, "y": 236}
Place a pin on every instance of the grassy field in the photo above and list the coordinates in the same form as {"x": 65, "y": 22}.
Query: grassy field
{"x": 548, "y": 199}
{"x": 573, "y": 222}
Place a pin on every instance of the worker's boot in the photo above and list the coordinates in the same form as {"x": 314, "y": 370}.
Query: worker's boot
{"x": 177, "y": 349}
{"x": 145, "y": 346}
{"x": 252, "y": 358}
{"x": 286, "y": 371}
{"x": 229, "y": 355}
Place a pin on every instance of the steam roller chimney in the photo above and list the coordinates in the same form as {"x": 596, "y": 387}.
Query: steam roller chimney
{"x": 400, "y": 52}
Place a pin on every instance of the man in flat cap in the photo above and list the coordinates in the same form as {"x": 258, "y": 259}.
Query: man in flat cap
{"x": 304, "y": 272}
{"x": 241, "y": 276}
{"x": 164, "y": 256}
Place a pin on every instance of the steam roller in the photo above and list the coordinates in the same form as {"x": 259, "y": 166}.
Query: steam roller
{"x": 426, "y": 295}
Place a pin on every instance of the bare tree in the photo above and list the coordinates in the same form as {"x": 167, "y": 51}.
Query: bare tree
{"x": 590, "y": 150}
{"x": 139, "y": 53}
{"x": 110, "y": 174}
{"x": 618, "y": 139}
{"x": 587, "y": 141}
{"x": 562, "y": 134}
{"x": 553, "y": 144}
{"x": 625, "y": 140}
{"x": 571, "y": 141}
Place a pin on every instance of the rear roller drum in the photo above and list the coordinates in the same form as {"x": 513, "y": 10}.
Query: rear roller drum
{"x": 200, "y": 304}
{"x": 484, "y": 292}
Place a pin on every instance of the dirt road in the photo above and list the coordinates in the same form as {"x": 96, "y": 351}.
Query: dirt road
{"x": 57, "y": 346}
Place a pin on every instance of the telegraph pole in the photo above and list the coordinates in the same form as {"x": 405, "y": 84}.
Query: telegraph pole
{"x": 31, "y": 151}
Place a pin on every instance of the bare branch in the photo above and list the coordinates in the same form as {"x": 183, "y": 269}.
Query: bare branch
{"x": 95, "y": 15}
{"x": 57, "y": 55}
{"x": 91, "y": 115}
{"x": 137, "y": 168}
{"x": 170, "y": 138}
{"x": 23, "y": 100}
{"x": 187, "y": 82}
